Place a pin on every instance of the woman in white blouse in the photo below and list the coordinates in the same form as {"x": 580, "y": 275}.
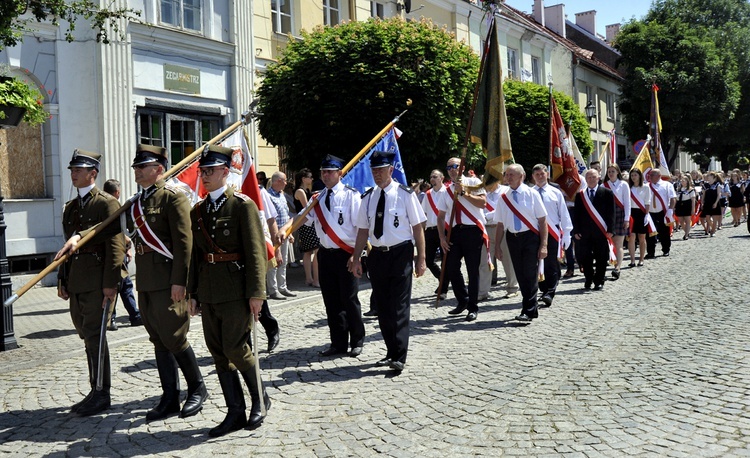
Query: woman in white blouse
{"x": 685, "y": 207}
{"x": 640, "y": 201}
{"x": 621, "y": 190}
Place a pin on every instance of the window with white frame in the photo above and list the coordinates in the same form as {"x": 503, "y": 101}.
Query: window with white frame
{"x": 536, "y": 74}
{"x": 281, "y": 16}
{"x": 330, "y": 12}
{"x": 610, "y": 101}
{"x": 513, "y": 63}
{"x": 377, "y": 10}
{"x": 185, "y": 14}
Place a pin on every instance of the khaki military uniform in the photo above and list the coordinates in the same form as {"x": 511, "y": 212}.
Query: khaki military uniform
{"x": 167, "y": 213}
{"x": 228, "y": 269}
{"x": 94, "y": 267}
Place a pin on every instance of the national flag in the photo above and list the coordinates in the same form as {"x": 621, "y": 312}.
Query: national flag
{"x": 564, "y": 170}
{"x": 360, "y": 176}
{"x": 577, "y": 156}
{"x": 489, "y": 126}
{"x": 657, "y": 152}
{"x": 643, "y": 161}
{"x": 609, "y": 153}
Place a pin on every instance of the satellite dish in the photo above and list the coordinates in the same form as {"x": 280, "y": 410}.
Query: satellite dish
{"x": 407, "y": 6}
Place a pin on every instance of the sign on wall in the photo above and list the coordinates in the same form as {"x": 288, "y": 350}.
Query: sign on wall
{"x": 182, "y": 79}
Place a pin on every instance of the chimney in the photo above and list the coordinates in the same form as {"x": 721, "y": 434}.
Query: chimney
{"x": 539, "y": 11}
{"x": 612, "y": 31}
{"x": 555, "y": 17}
{"x": 587, "y": 21}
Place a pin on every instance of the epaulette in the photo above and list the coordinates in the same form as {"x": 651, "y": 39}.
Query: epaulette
{"x": 172, "y": 189}
{"x": 367, "y": 192}
{"x": 241, "y": 196}
{"x": 106, "y": 194}
{"x": 406, "y": 188}
{"x": 352, "y": 188}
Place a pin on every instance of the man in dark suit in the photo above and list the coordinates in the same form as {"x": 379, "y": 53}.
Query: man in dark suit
{"x": 594, "y": 217}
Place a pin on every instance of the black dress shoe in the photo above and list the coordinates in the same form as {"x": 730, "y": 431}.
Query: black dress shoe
{"x": 137, "y": 322}
{"x": 273, "y": 341}
{"x": 649, "y": 256}
{"x": 615, "y": 274}
{"x": 546, "y": 299}
{"x": 397, "y": 366}
{"x": 665, "y": 253}
{"x": 356, "y": 351}
{"x": 587, "y": 285}
{"x": 471, "y": 316}
{"x": 458, "y": 310}
{"x": 370, "y": 313}
{"x": 330, "y": 351}
{"x": 384, "y": 362}
{"x": 598, "y": 287}
{"x": 523, "y": 317}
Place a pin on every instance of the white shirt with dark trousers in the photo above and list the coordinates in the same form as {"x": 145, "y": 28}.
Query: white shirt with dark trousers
{"x": 558, "y": 220}
{"x": 523, "y": 241}
{"x": 390, "y": 262}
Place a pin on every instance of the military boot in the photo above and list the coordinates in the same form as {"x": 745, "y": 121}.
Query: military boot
{"x": 256, "y": 414}
{"x": 100, "y": 399}
{"x": 169, "y": 404}
{"x": 235, "y": 400}
{"x": 92, "y": 382}
{"x": 197, "y": 392}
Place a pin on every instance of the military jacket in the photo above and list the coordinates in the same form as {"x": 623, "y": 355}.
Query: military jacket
{"x": 98, "y": 264}
{"x": 234, "y": 228}
{"x": 167, "y": 213}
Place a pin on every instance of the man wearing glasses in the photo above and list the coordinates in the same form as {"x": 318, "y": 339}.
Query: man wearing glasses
{"x": 467, "y": 236}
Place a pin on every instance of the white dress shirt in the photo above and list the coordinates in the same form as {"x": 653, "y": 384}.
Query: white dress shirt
{"x": 345, "y": 204}
{"x": 402, "y": 211}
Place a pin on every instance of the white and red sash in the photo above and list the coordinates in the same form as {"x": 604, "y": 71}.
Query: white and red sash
{"x": 145, "y": 233}
{"x": 617, "y": 199}
{"x": 434, "y": 208}
{"x": 668, "y": 220}
{"x": 512, "y": 206}
{"x": 330, "y": 230}
{"x": 597, "y": 218}
{"x": 647, "y": 221}
{"x": 461, "y": 209}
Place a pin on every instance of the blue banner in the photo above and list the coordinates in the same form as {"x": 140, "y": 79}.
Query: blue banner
{"x": 360, "y": 176}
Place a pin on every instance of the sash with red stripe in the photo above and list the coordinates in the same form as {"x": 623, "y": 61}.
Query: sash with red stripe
{"x": 667, "y": 219}
{"x": 462, "y": 209}
{"x": 617, "y": 199}
{"x": 434, "y": 208}
{"x": 329, "y": 231}
{"x": 518, "y": 213}
{"x": 597, "y": 218}
{"x": 144, "y": 231}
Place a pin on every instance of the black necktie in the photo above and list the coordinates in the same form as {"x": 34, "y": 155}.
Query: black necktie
{"x": 379, "y": 213}
{"x": 85, "y": 199}
{"x": 591, "y": 194}
{"x": 328, "y": 199}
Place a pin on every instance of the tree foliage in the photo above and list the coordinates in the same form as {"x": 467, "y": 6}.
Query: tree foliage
{"x": 332, "y": 91}
{"x": 14, "y": 21}
{"x": 696, "y": 52}
{"x": 527, "y": 106}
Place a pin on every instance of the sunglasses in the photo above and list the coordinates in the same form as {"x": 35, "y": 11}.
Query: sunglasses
{"x": 207, "y": 171}
{"x": 452, "y": 166}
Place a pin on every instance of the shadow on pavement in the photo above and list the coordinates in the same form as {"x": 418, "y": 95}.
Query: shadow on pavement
{"x": 44, "y": 312}
{"x": 51, "y": 334}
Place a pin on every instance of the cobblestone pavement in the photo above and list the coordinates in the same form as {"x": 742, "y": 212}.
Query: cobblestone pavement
{"x": 656, "y": 364}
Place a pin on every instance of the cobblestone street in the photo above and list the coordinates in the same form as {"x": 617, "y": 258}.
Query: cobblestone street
{"x": 656, "y": 364}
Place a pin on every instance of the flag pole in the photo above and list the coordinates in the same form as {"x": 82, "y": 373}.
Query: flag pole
{"x": 246, "y": 118}
{"x": 551, "y": 133}
{"x": 467, "y": 138}
{"x": 299, "y": 219}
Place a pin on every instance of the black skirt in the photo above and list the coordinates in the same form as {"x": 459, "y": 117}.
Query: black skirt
{"x": 638, "y": 218}
{"x": 683, "y": 208}
{"x": 308, "y": 239}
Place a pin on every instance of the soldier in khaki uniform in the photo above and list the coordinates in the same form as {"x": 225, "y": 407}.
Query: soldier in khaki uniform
{"x": 91, "y": 275}
{"x": 227, "y": 283}
{"x": 162, "y": 245}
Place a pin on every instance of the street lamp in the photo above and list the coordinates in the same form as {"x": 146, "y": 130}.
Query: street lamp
{"x": 590, "y": 111}
{"x": 7, "y": 339}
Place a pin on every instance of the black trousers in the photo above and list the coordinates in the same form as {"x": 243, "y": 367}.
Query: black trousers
{"x": 466, "y": 244}
{"x": 551, "y": 269}
{"x": 665, "y": 238}
{"x": 594, "y": 249}
{"x": 339, "y": 288}
{"x": 523, "y": 249}
{"x": 391, "y": 276}
{"x": 431, "y": 245}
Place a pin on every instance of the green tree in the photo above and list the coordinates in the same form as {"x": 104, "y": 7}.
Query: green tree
{"x": 527, "y": 106}
{"x": 332, "y": 91}
{"x": 689, "y": 48}
{"x": 14, "y": 21}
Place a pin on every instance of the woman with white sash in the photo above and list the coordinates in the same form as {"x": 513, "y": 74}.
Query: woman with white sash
{"x": 621, "y": 190}
{"x": 640, "y": 201}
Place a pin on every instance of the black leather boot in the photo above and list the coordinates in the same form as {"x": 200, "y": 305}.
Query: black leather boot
{"x": 235, "y": 400}
{"x": 197, "y": 392}
{"x": 169, "y": 404}
{"x": 256, "y": 416}
{"x": 92, "y": 382}
{"x": 99, "y": 400}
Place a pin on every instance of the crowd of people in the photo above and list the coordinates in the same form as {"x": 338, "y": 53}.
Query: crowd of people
{"x": 213, "y": 259}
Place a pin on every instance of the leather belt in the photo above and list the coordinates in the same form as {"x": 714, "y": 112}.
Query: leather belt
{"x": 98, "y": 250}
{"x": 389, "y": 248}
{"x": 142, "y": 248}
{"x": 213, "y": 258}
